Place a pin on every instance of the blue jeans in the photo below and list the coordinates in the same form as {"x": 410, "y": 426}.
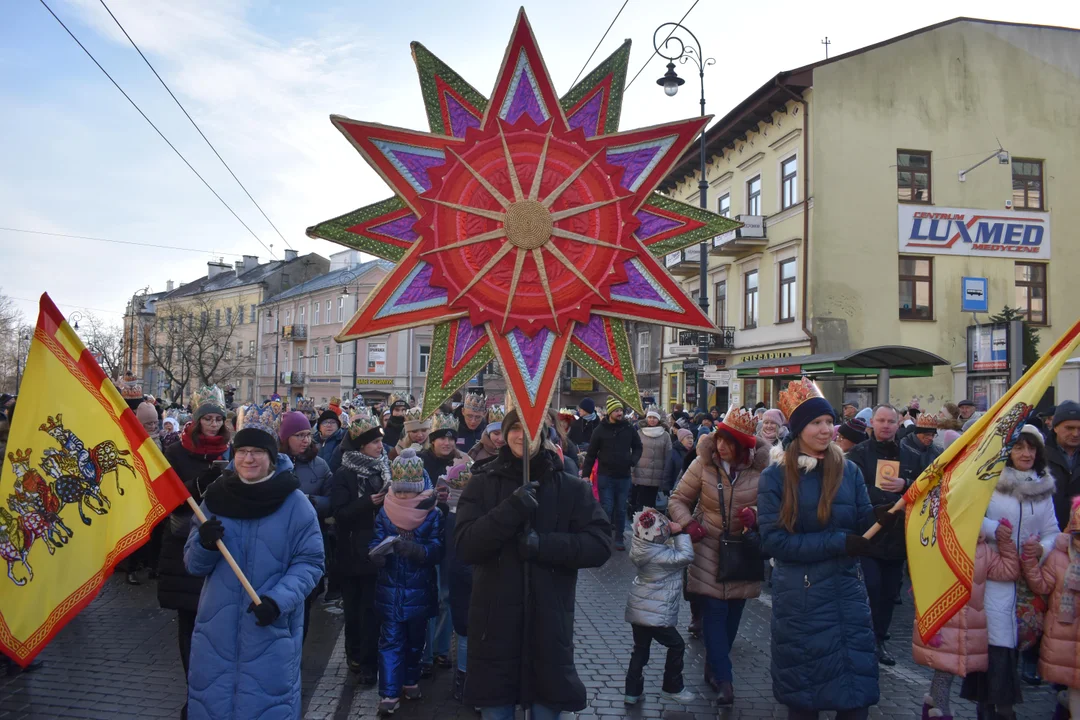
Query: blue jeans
{"x": 439, "y": 628}
{"x": 506, "y": 712}
{"x": 719, "y": 625}
{"x": 462, "y": 653}
{"x": 614, "y": 492}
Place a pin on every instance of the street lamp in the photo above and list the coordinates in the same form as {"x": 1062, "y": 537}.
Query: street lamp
{"x": 74, "y": 318}
{"x": 671, "y": 83}
{"x": 347, "y": 278}
{"x": 277, "y": 349}
{"x": 134, "y": 318}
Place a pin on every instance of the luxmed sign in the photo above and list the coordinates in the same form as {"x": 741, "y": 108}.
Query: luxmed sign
{"x": 963, "y": 231}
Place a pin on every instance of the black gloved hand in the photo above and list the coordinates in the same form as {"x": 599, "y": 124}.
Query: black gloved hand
{"x": 525, "y": 496}
{"x": 265, "y": 613}
{"x": 377, "y": 560}
{"x": 409, "y": 550}
{"x": 210, "y": 532}
{"x": 529, "y": 545}
{"x": 887, "y": 519}
{"x": 857, "y": 546}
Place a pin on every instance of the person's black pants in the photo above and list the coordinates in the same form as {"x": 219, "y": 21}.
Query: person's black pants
{"x": 361, "y": 621}
{"x": 670, "y": 638}
{"x": 185, "y": 628}
{"x": 643, "y": 496}
{"x": 884, "y": 578}
{"x": 856, "y": 714}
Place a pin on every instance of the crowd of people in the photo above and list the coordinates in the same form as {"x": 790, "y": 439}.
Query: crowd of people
{"x": 443, "y": 558}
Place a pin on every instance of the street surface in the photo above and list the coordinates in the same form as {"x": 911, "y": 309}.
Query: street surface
{"x": 119, "y": 659}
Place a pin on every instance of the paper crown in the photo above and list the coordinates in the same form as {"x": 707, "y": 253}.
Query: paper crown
{"x": 397, "y": 399}
{"x": 131, "y": 389}
{"x": 458, "y": 476}
{"x": 476, "y": 402}
{"x": 740, "y": 421}
{"x": 361, "y": 423}
{"x": 208, "y": 395}
{"x": 496, "y": 413}
{"x": 414, "y": 414}
{"x": 305, "y": 405}
{"x": 443, "y": 421}
{"x": 335, "y": 400}
{"x": 927, "y": 421}
{"x": 261, "y": 419}
{"x": 796, "y": 393}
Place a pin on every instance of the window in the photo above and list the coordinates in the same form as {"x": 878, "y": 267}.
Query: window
{"x": 252, "y": 313}
{"x": 1027, "y": 184}
{"x": 299, "y": 360}
{"x": 190, "y": 321}
{"x": 750, "y": 298}
{"x": 288, "y": 317}
{"x": 251, "y": 389}
{"x": 337, "y": 360}
{"x": 217, "y": 317}
{"x": 326, "y": 358}
{"x": 328, "y": 319}
{"x": 341, "y": 309}
{"x": 239, "y": 349}
{"x": 172, "y": 325}
{"x": 228, "y": 352}
{"x": 753, "y": 196}
{"x": 251, "y": 348}
{"x": 644, "y": 354}
{"x": 570, "y": 369}
{"x": 913, "y": 176}
{"x": 789, "y": 176}
{"x": 425, "y": 358}
{"x": 1031, "y": 290}
{"x": 916, "y": 288}
{"x": 720, "y": 304}
{"x": 316, "y": 311}
{"x": 204, "y": 318}
{"x": 303, "y": 311}
{"x": 787, "y": 291}
{"x": 723, "y": 205}
{"x": 228, "y": 316}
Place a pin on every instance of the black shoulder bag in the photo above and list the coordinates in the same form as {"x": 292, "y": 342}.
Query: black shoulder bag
{"x": 740, "y": 555}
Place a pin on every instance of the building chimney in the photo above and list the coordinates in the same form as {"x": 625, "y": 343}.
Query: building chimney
{"x": 290, "y": 255}
{"x": 213, "y": 269}
{"x": 251, "y": 262}
{"x": 168, "y": 286}
{"x": 239, "y": 267}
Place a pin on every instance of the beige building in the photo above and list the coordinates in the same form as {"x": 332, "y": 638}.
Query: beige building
{"x": 856, "y": 179}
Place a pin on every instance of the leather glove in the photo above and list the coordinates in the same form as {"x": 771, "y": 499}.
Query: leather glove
{"x": 442, "y": 493}
{"x": 748, "y": 518}
{"x": 409, "y": 550}
{"x": 377, "y": 560}
{"x": 887, "y": 519}
{"x": 695, "y": 530}
{"x": 525, "y": 497}
{"x": 265, "y": 613}
{"x": 857, "y": 545}
{"x": 529, "y": 545}
{"x": 210, "y": 532}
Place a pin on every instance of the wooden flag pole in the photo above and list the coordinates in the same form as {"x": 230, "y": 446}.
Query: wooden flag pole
{"x": 227, "y": 555}
{"x": 898, "y": 507}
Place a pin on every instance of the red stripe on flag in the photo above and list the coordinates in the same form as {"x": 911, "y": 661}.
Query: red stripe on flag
{"x": 132, "y": 428}
{"x": 170, "y": 490}
{"x": 89, "y": 367}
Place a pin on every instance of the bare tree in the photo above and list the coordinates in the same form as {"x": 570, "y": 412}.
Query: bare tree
{"x": 192, "y": 346}
{"x": 14, "y": 344}
{"x": 105, "y": 341}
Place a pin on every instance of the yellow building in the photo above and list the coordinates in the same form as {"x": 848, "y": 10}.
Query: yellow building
{"x": 860, "y": 220}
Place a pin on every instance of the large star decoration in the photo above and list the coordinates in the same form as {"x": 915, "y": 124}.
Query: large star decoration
{"x": 525, "y": 228}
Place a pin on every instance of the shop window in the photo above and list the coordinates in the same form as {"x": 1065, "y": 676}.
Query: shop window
{"x": 750, "y": 300}
{"x": 1027, "y": 182}
{"x": 913, "y": 176}
{"x": 916, "y": 288}
{"x": 1031, "y": 292}
{"x": 789, "y": 176}
{"x": 786, "y": 301}
{"x": 753, "y": 196}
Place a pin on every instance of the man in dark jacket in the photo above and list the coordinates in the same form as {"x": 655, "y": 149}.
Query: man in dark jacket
{"x": 472, "y": 416}
{"x": 888, "y": 468}
{"x": 1062, "y": 458}
{"x": 521, "y": 641}
{"x": 581, "y": 430}
{"x": 616, "y": 447}
{"x": 330, "y": 435}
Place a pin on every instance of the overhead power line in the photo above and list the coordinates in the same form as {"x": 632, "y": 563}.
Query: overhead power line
{"x": 161, "y": 134}
{"x": 597, "y": 44}
{"x": 196, "y": 126}
{"x": 119, "y": 242}
{"x": 654, "y": 49}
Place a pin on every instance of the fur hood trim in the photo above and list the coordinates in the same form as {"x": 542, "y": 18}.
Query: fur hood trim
{"x": 1025, "y": 486}
{"x": 759, "y": 456}
{"x": 806, "y": 463}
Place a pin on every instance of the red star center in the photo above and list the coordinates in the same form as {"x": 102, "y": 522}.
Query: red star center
{"x": 526, "y": 226}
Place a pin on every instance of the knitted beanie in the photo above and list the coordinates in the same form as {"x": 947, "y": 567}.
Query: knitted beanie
{"x": 291, "y": 423}
{"x": 146, "y": 413}
{"x": 329, "y": 415}
{"x": 613, "y": 404}
{"x": 588, "y": 406}
{"x": 854, "y": 430}
{"x": 253, "y": 437}
{"x": 651, "y": 526}
{"x": 407, "y": 472}
{"x": 683, "y": 433}
{"x": 775, "y": 415}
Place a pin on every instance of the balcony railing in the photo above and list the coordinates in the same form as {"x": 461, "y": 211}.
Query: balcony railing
{"x": 684, "y": 263}
{"x": 725, "y": 340}
{"x": 294, "y": 332}
{"x": 751, "y": 237}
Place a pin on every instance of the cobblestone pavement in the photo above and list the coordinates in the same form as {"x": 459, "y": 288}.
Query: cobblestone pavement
{"x": 119, "y": 659}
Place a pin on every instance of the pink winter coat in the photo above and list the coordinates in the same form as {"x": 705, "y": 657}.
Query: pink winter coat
{"x": 964, "y": 639}
{"x": 1059, "y": 658}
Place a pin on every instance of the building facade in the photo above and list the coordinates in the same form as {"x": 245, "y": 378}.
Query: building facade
{"x": 865, "y": 203}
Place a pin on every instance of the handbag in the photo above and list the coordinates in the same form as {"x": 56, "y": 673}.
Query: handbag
{"x": 740, "y": 555}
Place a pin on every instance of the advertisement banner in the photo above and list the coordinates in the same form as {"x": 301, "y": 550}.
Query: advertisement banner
{"x": 988, "y": 348}
{"x": 966, "y": 231}
{"x": 376, "y": 358}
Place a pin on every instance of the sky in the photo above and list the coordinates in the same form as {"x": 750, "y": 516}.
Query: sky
{"x": 261, "y": 78}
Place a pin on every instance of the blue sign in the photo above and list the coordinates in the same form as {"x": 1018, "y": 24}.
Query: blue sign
{"x": 975, "y": 297}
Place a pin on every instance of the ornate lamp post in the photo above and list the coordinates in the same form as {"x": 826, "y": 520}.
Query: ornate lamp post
{"x": 671, "y": 49}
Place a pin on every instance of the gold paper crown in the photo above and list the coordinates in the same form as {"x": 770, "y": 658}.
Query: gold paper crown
{"x": 463, "y": 476}
{"x": 208, "y": 395}
{"x": 496, "y": 413}
{"x": 477, "y": 402}
{"x": 264, "y": 419}
{"x": 444, "y": 421}
{"x": 926, "y": 420}
{"x": 740, "y": 420}
{"x": 129, "y": 387}
{"x": 398, "y": 398}
{"x": 796, "y": 393}
{"x": 305, "y": 405}
{"x": 361, "y": 423}
{"x": 414, "y": 414}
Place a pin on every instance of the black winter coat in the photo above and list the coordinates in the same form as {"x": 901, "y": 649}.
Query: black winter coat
{"x": 466, "y": 438}
{"x": 616, "y": 446}
{"x": 1067, "y": 481}
{"x": 507, "y": 667}
{"x": 354, "y": 514}
{"x": 581, "y": 430}
{"x": 176, "y": 589}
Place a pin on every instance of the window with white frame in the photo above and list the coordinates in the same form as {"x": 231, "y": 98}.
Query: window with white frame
{"x": 303, "y": 311}
{"x": 337, "y": 360}
{"x": 787, "y": 287}
{"x": 750, "y": 299}
{"x": 341, "y": 309}
{"x": 288, "y": 360}
{"x": 723, "y": 205}
{"x": 644, "y": 351}
{"x": 326, "y": 359}
{"x": 316, "y": 310}
{"x": 252, "y": 313}
{"x": 425, "y": 358}
{"x": 288, "y": 317}
{"x": 789, "y": 177}
{"x": 228, "y": 316}
{"x": 753, "y": 196}
{"x": 329, "y": 318}
{"x": 251, "y": 348}
{"x": 239, "y": 349}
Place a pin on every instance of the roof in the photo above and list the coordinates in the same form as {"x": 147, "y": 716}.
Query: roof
{"x": 228, "y": 278}
{"x": 331, "y": 279}
{"x": 883, "y": 357}
{"x": 773, "y": 96}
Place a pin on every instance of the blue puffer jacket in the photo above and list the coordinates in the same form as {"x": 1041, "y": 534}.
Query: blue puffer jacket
{"x": 405, "y": 589}
{"x": 239, "y": 670}
{"x": 822, "y": 640}
{"x": 315, "y": 478}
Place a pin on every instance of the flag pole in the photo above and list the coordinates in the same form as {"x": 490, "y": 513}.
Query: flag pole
{"x": 876, "y": 527}
{"x": 227, "y": 555}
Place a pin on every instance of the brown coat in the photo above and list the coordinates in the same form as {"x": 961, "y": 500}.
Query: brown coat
{"x": 964, "y": 640}
{"x": 699, "y": 486}
{"x": 1059, "y": 657}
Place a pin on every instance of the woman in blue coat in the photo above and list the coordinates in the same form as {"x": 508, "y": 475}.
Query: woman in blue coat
{"x": 245, "y": 658}
{"x": 812, "y": 508}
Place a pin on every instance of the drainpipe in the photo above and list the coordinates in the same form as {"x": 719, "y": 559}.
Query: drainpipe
{"x": 806, "y": 215}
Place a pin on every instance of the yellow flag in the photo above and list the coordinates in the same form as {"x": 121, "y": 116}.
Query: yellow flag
{"x": 946, "y": 505}
{"x": 80, "y": 489}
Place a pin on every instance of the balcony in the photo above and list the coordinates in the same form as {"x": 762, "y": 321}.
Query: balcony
{"x": 688, "y": 340}
{"x": 741, "y": 241}
{"x": 296, "y": 333}
{"x": 577, "y": 385}
{"x": 293, "y": 378}
{"x": 684, "y": 263}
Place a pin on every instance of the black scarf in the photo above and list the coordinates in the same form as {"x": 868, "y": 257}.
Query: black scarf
{"x": 392, "y": 431}
{"x": 231, "y": 497}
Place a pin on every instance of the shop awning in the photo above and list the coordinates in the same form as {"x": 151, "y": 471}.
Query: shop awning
{"x": 899, "y": 360}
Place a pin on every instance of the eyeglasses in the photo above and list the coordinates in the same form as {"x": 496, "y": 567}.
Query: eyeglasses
{"x": 247, "y": 452}
{"x": 304, "y": 434}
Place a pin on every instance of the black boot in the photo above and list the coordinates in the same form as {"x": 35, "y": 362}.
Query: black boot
{"x": 1029, "y": 670}
{"x": 459, "y": 685}
{"x": 884, "y": 656}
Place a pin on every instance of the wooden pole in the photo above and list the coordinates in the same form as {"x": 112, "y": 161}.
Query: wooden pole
{"x": 898, "y": 507}
{"x": 227, "y": 555}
